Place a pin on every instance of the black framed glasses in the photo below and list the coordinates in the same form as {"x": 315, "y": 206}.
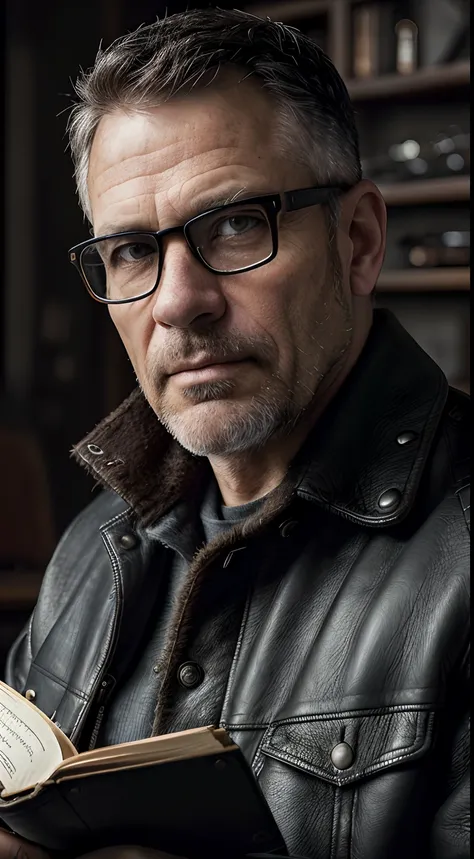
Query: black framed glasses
{"x": 229, "y": 239}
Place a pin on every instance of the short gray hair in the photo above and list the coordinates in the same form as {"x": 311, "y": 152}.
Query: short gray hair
{"x": 175, "y": 55}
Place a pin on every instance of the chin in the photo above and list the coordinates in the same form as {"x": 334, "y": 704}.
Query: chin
{"x": 223, "y": 428}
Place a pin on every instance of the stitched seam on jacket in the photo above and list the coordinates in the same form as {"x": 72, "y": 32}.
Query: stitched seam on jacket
{"x": 59, "y": 681}
{"x": 116, "y": 570}
{"x": 355, "y": 797}
{"x": 336, "y": 812}
{"x": 339, "y": 780}
{"x": 332, "y": 715}
{"x": 115, "y": 562}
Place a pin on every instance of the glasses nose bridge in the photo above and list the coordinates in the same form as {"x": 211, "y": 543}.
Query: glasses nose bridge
{"x": 180, "y": 230}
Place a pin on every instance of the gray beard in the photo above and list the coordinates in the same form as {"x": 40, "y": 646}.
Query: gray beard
{"x": 246, "y": 430}
{"x": 273, "y": 413}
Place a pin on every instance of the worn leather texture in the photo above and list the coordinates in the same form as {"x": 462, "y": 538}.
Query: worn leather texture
{"x": 353, "y": 628}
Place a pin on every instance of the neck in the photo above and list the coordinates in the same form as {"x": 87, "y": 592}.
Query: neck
{"x": 246, "y": 477}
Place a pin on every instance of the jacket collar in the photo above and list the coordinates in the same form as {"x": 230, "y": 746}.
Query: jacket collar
{"x": 364, "y": 459}
{"x": 370, "y": 447}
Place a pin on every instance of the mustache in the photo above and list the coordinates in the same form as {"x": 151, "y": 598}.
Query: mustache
{"x": 188, "y": 345}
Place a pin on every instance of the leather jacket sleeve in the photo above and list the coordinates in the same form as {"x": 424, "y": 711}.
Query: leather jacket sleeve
{"x": 55, "y": 589}
{"x": 451, "y": 830}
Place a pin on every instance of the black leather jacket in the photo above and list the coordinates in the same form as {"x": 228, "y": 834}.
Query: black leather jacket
{"x": 348, "y": 686}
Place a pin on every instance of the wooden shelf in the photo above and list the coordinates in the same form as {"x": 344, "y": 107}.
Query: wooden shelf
{"x": 424, "y": 280}
{"x": 431, "y": 78}
{"x": 420, "y": 192}
{"x": 19, "y": 590}
{"x": 291, "y": 10}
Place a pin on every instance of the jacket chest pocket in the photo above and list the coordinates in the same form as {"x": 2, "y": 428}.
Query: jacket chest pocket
{"x": 348, "y": 785}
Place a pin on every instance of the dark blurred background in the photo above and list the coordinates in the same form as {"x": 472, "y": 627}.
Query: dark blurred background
{"x": 62, "y": 366}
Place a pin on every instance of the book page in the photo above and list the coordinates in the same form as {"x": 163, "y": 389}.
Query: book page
{"x": 182, "y": 744}
{"x": 29, "y": 750}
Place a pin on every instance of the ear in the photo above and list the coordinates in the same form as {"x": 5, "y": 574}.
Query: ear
{"x": 364, "y": 221}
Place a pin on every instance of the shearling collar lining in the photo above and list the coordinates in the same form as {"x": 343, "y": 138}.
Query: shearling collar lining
{"x": 356, "y": 462}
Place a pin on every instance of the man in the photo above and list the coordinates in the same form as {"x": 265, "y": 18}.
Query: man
{"x": 282, "y": 544}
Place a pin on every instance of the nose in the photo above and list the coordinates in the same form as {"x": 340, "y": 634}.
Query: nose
{"x": 188, "y": 295}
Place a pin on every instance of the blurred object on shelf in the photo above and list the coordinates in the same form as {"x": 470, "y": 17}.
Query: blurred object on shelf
{"x": 365, "y": 48}
{"x": 407, "y": 46}
{"x": 399, "y": 36}
{"x": 446, "y": 25}
{"x": 453, "y": 152}
{"x": 385, "y": 38}
{"x": 447, "y": 155}
{"x": 373, "y": 40}
{"x": 434, "y": 250}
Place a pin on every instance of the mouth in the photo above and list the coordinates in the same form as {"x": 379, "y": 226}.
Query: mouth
{"x": 209, "y": 371}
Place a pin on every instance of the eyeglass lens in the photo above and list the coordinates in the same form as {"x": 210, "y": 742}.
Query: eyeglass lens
{"x": 228, "y": 241}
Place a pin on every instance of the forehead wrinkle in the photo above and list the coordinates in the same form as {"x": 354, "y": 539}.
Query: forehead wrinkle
{"x": 236, "y": 175}
{"x": 129, "y": 165}
{"x": 226, "y": 187}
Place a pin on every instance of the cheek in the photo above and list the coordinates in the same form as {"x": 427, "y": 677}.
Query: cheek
{"x": 269, "y": 306}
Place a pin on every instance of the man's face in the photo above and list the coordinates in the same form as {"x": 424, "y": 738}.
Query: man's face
{"x": 268, "y": 336}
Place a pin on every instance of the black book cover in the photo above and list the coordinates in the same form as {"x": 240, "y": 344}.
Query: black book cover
{"x": 202, "y": 808}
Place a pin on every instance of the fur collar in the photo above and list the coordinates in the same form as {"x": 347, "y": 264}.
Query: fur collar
{"x": 348, "y": 462}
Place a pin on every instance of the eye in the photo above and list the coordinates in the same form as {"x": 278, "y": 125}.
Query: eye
{"x": 133, "y": 252}
{"x": 236, "y": 225}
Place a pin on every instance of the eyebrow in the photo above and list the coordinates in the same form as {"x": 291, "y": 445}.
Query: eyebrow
{"x": 200, "y": 205}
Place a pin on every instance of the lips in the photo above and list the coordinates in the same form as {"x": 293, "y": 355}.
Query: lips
{"x": 206, "y": 362}
{"x": 205, "y": 373}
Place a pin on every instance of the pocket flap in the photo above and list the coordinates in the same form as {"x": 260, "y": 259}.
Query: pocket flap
{"x": 61, "y": 703}
{"x": 360, "y": 744}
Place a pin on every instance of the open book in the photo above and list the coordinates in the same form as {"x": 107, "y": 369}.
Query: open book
{"x": 185, "y": 792}
{"x": 33, "y": 749}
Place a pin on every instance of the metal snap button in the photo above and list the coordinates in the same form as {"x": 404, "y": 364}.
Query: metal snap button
{"x": 190, "y": 675}
{"x": 30, "y": 694}
{"x": 342, "y": 756}
{"x": 389, "y": 500}
{"x": 287, "y": 527}
{"x": 407, "y": 437}
{"x": 128, "y": 541}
